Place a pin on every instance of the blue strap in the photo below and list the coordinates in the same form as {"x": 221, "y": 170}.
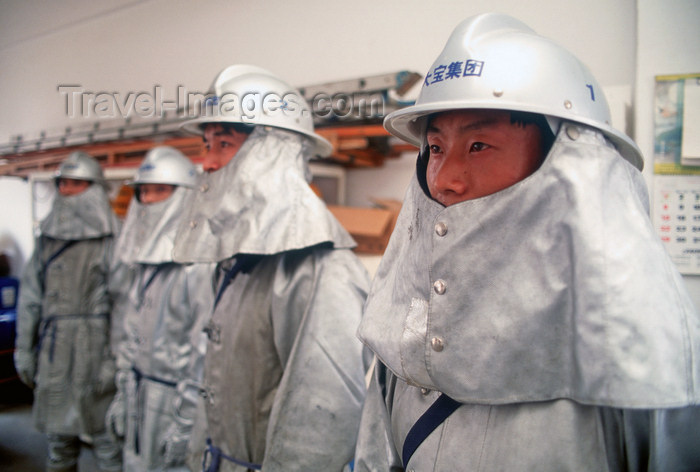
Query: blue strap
{"x": 156, "y": 271}
{"x": 60, "y": 251}
{"x": 228, "y": 277}
{"x": 216, "y": 456}
{"x": 138, "y": 376}
{"x": 244, "y": 263}
{"x": 52, "y": 258}
{"x": 50, "y": 323}
{"x": 433, "y": 417}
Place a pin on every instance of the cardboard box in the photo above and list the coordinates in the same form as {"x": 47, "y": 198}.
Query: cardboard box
{"x": 370, "y": 227}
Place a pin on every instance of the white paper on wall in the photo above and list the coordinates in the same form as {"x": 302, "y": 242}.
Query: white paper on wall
{"x": 690, "y": 141}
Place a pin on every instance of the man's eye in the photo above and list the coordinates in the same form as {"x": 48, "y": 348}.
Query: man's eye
{"x": 434, "y": 149}
{"x": 476, "y": 147}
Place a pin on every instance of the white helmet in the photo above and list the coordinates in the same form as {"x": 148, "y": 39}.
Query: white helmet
{"x": 80, "y": 165}
{"x": 494, "y": 61}
{"x": 166, "y": 165}
{"x": 254, "y": 96}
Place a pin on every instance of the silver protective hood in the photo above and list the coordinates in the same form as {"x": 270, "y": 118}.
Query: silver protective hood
{"x": 86, "y": 215}
{"x": 259, "y": 203}
{"x": 149, "y": 230}
{"x": 556, "y": 287}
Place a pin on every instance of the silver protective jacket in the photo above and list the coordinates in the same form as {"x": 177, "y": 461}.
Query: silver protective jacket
{"x": 548, "y": 309}
{"x": 284, "y": 371}
{"x": 159, "y": 363}
{"x": 160, "y": 366}
{"x": 63, "y": 319}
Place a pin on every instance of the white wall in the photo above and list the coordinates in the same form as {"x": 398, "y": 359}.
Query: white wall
{"x": 130, "y": 46}
{"x": 667, "y": 44}
{"x": 390, "y": 181}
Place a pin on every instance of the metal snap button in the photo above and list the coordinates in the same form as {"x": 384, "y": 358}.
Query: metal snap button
{"x": 439, "y": 286}
{"x": 437, "y": 344}
{"x": 573, "y": 133}
{"x": 441, "y": 229}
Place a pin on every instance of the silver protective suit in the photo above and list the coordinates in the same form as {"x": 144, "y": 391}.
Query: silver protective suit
{"x": 284, "y": 372}
{"x": 63, "y": 322}
{"x": 159, "y": 365}
{"x": 551, "y": 311}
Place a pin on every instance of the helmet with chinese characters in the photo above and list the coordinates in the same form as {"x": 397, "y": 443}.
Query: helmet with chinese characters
{"x": 494, "y": 61}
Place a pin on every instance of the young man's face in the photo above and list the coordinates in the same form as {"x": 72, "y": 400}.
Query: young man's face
{"x": 474, "y": 153}
{"x": 154, "y": 193}
{"x": 68, "y": 187}
{"x": 221, "y": 145}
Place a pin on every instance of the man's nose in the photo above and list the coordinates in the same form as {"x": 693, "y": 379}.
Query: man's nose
{"x": 212, "y": 161}
{"x": 452, "y": 176}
